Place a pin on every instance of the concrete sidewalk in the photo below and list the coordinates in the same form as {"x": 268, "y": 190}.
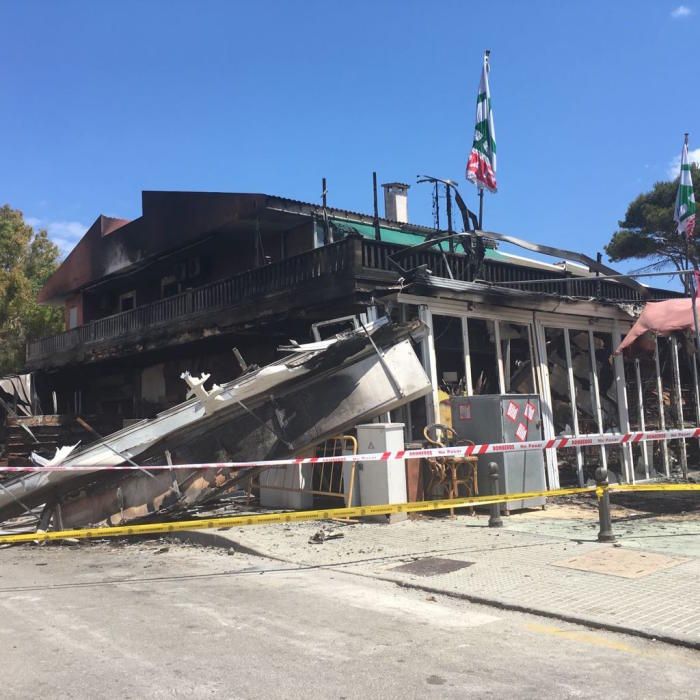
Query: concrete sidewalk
{"x": 544, "y": 562}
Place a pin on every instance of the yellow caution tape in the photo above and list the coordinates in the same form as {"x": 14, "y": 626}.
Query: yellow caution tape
{"x": 613, "y": 488}
{"x": 328, "y": 513}
{"x": 290, "y": 517}
{"x": 654, "y": 487}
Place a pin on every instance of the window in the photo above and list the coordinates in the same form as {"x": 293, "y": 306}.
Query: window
{"x": 72, "y": 317}
{"x": 572, "y": 371}
{"x": 449, "y": 353}
{"x": 643, "y": 400}
{"x": 608, "y": 397}
{"x": 127, "y": 301}
{"x": 517, "y": 354}
{"x": 671, "y": 377}
{"x": 194, "y": 267}
{"x": 483, "y": 356}
{"x": 333, "y": 326}
{"x": 169, "y": 286}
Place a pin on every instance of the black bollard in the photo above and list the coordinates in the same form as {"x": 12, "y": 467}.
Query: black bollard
{"x": 605, "y": 534}
{"x": 495, "y": 520}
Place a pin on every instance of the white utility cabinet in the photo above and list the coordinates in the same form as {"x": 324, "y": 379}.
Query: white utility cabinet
{"x": 382, "y": 481}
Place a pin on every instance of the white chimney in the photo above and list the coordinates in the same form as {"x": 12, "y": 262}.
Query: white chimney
{"x": 396, "y": 201}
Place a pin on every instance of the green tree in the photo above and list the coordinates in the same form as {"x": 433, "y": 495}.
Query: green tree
{"x": 648, "y": 231}
{"x": 27, "y": 259}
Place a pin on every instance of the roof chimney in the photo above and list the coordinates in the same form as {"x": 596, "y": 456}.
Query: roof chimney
{"x": 396, "y": 201}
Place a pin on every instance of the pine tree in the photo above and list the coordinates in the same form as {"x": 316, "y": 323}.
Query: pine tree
{"x": 27, "y": 259}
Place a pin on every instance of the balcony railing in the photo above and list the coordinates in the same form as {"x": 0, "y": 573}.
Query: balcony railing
{"x": 286, "y": 274}
{"x": 352, "y": 257}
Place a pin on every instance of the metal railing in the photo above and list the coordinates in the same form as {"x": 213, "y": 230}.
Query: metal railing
{"x": 376, "y": 254}
{"x": 353, "y": 256}
{"x": 286, "y": 274}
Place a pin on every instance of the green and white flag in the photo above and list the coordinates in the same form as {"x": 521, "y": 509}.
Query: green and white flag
{"x": 481, "y": 166}
{"x": 684, "y": 215}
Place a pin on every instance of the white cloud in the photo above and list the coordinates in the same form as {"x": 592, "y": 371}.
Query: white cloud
{"x": 65, "y": 234}
{"x": 681, "y": 11}
{"x": 674, "y": 167}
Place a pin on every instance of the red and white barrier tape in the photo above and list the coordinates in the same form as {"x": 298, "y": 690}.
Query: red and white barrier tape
{"x": 468, "y": 451}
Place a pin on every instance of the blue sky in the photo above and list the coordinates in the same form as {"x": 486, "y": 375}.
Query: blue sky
{"x": 101, "y": 100}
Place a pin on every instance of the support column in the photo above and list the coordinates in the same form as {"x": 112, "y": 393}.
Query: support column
{"x": 499, "y": 356}
{"x": 432, "y": 403}
{"x": 662, "y": 417}
{"x": 546, "y": 405}
{"x": 467, "y": 356}
{"x": 596, "y": 397}
{"x": 642, "y": 420}
{"x": 408, "y": 415}
{"x": 679, "y": 402}
{"x": 572, "y": 398}
{"x": 694, "y": 362}
{"x": 622, "y": 406}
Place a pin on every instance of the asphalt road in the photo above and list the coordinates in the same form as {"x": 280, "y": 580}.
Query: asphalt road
{"x": 152, "y": 620}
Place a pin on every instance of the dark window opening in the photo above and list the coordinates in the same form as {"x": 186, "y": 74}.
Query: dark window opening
{"x": 127, "y": 301}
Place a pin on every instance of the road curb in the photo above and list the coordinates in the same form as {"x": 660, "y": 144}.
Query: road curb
{"x": 207, "y": 538}
{"x": 587, "y": 622}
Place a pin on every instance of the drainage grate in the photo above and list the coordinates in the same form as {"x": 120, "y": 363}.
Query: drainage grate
{"x": 432, "y": 566}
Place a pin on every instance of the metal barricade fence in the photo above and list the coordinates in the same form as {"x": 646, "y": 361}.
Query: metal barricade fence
{"x": 327, "y": 477}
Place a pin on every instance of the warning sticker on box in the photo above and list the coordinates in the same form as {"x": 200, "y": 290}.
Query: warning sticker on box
{"x": 530, "y": 410}
{"x": 465, "y": 411}
{"x": 512, "y": 411}
{"x": 521, "y": 432}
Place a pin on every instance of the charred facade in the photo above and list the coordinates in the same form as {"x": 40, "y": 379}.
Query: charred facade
{"x": 199, "y": 274}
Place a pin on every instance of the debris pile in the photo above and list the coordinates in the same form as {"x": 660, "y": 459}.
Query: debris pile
{"x": 315, "y": 391}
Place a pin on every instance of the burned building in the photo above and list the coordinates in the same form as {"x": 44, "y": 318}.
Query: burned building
{"x": 199, "y": 274}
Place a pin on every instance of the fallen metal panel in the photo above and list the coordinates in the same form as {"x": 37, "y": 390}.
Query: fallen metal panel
{"x": 273, "y": 412}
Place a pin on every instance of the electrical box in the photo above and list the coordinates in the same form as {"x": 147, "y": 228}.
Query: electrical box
{"x": 382, "y": 481}
{"x": 499, "y": 418}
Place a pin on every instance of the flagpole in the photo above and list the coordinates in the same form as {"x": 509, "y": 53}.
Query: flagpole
{"x": 691, "y": 286}
{"x": 694, "y": 292}
{"x": 481, "y": 164}
{"x": 689, "y": 281}
{"x": 481, "y": 208}
{"x": 487, "y": 54}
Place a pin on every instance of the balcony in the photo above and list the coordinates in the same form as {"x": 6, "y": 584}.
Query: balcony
{"x": 321, "y": 269}
{"x": 335, "y": 271}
